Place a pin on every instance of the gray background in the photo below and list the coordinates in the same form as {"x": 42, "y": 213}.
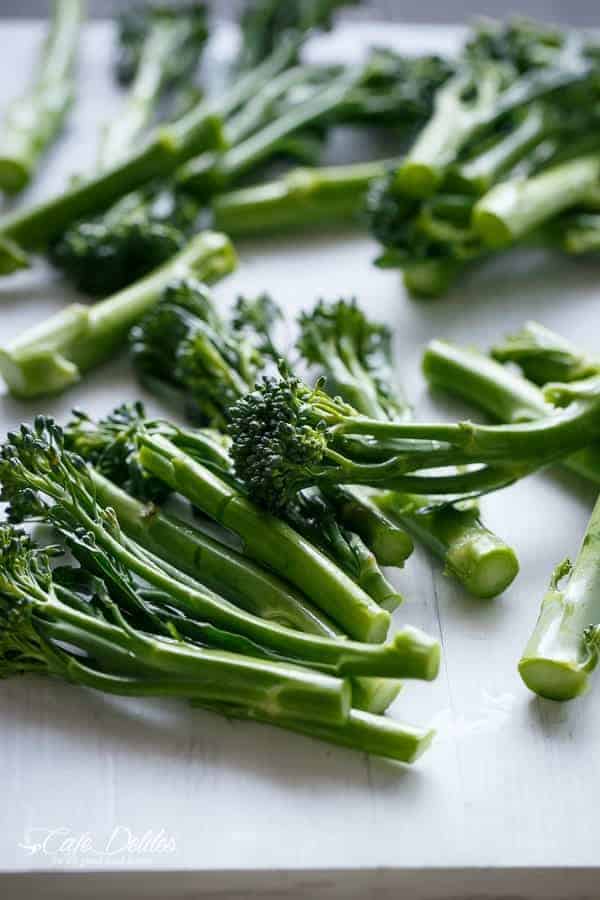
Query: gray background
{"x": 574, "y": 12}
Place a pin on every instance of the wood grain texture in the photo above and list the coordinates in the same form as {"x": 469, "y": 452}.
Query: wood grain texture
{"x": 510, "y": 782}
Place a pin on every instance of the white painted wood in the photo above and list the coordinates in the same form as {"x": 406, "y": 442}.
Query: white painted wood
{"x": 510, "y": 782}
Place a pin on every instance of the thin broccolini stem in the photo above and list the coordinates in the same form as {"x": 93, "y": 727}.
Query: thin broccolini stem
{"x": 499, "y": 392}
{"x": 33, "y": 120}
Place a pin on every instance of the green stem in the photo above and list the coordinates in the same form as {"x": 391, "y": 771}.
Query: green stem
{"x": 203, "y": 176}
{"x": 520, "y": 205}
{"x": 473, "y": 554}
{"x": 358, "y": 512}
{"x": 234, "y": 577}
{"x": 215, "y": 675}
{"x": 499, "y": 392}
{"x": 212, "y": 563}
{"x": 33, "y": 120}
{"x": 303, "y": 198}
{"x": 160, "y": 155}
{"x": 362, "y": 731}
{"x": 56, "y": 353}
{"x": 563, "y": 648}
{"x": 268, "y": 540}
{"x": 164, "y": 40}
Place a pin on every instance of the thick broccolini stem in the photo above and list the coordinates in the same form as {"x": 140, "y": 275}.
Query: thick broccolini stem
{"x": 33, "y": 120}
{"x": 474, "y": 555}
{"x": 167, "y": 148}
{"x": 289, "y": 554}
{"x": 214, "y": 564}
{"x": 545, "y": 356}
{"x": 499, "y": 392}
{"x": 300, "y": 199}
{"x": 518, "y": 206}
{"x": 355, "y": 356}
{"x": 58, "y": 352}
{"x": 209, "y": 173}
{"x": 171, "y": 41}
{"x": 233, "y": 576}
{"x": 563, "y": 648}
{"x": 378, "y": 735}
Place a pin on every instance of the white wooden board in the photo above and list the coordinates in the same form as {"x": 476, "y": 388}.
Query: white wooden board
{"x": 510, "y": 783}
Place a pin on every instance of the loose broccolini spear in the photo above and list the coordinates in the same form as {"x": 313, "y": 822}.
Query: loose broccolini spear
{"x": 33, "y": 120}
{"x": 501, "y": 393}
{"x": 355, "y": 356}
{"x": 563, "y": 649}
{"x": 58, "y": 352}
{"x": 545, "y": 356}
{"x": 159, "y": 48}
{"x": 287, "y": 436}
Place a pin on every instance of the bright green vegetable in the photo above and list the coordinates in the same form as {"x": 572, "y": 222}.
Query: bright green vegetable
{"x": 563, "y": 649}
{"x": 355, "y": 356}
{"x": 499, "y": 392}
{"x": 545, "y": 356}
{"x": 287, "y": 436}
{"x": 58, "y": 352}
{"x": 159, "y": 48}
{"x": 34, "y": 119}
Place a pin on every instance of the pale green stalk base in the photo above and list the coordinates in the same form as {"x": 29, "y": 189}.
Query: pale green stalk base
{"x": 33, "y": 120}
{"x": 563, "y": 649}
{"x": 516, "y": 207}
{"x": 367, "y": 733}
{"x": 52, "y": 356}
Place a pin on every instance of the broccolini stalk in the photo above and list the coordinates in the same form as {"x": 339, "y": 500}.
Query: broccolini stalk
{"x": 563, "y": 649}
{"x": 355, "y": 356}
{"x": 517, "y": 206}
{"x": 286, "y": 436}
{"x": 231, "y": 575}
{"x": 316, "y": 518}
{"x": 268, "y": 540}
{"x": 378, "y": 735}
{"x": 300, "y": 199}
{"x": 210, "y": 173}
{"x": 211, "y": 363}
{"x": 35, "y": 622}
{"x": 58, "y": 352}
{"x": 499, "y": 392}
{"x": 159, "y": 48}
{"x": 477, "y": 98}
{"x": 545, "y": 356}
{"x": 183, "y": 346}
{"x": 42, "y": 480}
{"x": 33, "y": 120}
{"x": 167, "y": 148}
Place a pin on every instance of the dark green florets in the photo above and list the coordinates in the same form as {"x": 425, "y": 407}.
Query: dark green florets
{"x": 110, "y": 445}
{"x": 266, "y": 22}
{"x": 355, "y": 355}
{"x": 183, "y": 345}
{"x": 136, "y": 25}
{"x": 280, "y": 437}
